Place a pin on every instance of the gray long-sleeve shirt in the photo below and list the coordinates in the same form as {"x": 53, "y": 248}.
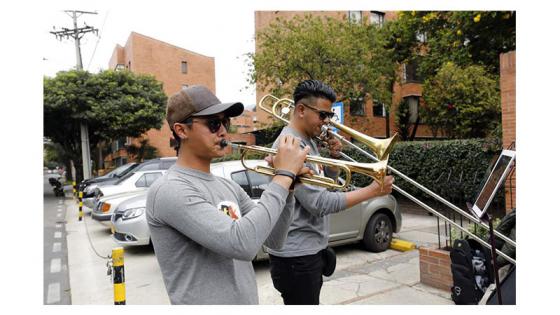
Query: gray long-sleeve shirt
{"x": 309, "y": 231}
{"x": 206, "y": 230}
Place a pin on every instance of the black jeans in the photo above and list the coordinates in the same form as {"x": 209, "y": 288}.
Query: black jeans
{"x": 298, "y": 279}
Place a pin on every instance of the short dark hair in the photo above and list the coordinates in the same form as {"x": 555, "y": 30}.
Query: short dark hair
{"x": 313, "y": 88}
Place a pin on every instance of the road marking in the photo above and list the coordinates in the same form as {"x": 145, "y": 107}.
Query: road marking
{"x": 53, "y": 293}
{"x": 56, "y": 247}
{"x": 55, "y": 265}
{"x": 59, "y": 209}
{"x": 57, "y": 234}
{"x": 59, "y": 215}
{"x": 58, "y": 225}
{"x": 60, "y": 201}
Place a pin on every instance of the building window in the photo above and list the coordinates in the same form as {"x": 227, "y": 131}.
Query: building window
{"x": 355, "y": 17}
{"x": 119, "y": 143}
{"x": 378, "y": 109}
{"x": 376, "y": 18}
{"x": 413, "y": 103}
{"x": 183, "y": 67}
{"x": 410, "y": 72}
{"x": 421, "y": 37}
{"x": 119, "y": 161}
{"x": 357, "y": 106}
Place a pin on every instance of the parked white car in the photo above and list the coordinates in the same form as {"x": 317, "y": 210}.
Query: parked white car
{"x": 373, "y": 221}
{"x": 108, "y": 197}
{"x": 130, "y": 182}
{"x": 105, "y": 206}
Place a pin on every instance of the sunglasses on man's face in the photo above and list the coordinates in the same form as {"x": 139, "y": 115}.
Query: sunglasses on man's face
{"x": 322, "y": 114}
{"x": 213, "y": 123}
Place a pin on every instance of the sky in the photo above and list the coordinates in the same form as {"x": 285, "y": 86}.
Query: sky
{"x": 227, "y": 34}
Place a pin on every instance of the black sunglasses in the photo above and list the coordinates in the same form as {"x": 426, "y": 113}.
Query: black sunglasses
{"x": 322, "y": 114}
{"x": 213, "y": 123}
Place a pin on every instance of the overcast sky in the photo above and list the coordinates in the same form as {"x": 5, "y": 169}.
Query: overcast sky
{"x": 225, "y": 33}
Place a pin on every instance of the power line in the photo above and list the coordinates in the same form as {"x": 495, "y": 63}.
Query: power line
{"x": 98, "y": 39}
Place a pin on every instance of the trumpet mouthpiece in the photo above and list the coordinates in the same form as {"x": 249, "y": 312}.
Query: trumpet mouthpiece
{"x": 224, "y": 143}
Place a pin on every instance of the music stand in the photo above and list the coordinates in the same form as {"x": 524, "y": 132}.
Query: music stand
{"x": 500, "y": 171}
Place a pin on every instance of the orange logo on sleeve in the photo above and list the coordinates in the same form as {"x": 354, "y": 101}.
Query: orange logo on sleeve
{"x": 230, "y": 209}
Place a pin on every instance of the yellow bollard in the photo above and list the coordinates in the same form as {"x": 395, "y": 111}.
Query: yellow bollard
{"x": 74, "y": 188}
{"x": 80, "y": 196}
{"x": 402, "y": 245}
{"x": 118, "y": 276}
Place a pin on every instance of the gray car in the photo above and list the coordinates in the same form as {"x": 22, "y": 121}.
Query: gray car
{"x": 373, "y": 221}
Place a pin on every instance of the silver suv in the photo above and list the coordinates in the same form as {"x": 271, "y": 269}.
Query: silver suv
{"x": 373, "y": 221}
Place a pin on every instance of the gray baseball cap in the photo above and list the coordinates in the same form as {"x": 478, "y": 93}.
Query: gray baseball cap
{"x": 198, "y": 100}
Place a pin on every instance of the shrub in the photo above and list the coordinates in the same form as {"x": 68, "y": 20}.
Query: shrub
{"x": 453, "y": 169}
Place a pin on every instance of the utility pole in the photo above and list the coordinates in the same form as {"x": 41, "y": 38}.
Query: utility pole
{"x": 77, "y": 33}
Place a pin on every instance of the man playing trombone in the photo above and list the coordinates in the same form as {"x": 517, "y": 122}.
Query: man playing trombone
{"x": 205, "y": 229}
{"x": 297, "y": 266}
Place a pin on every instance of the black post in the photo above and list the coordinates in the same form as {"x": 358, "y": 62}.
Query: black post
{"x": 494, "y": 262}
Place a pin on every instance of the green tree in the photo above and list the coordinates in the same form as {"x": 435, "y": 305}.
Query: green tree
{"x": 432, "y": 38}
{"x": 350, "y": 57}
{"x": 462, "y": 102}
{"x": 52, "y": 155}
{"x": 113, "y": 103}
{"x": 142, "y": 151}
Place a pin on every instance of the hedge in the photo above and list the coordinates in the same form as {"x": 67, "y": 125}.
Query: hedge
{"x": 453, "y": 169}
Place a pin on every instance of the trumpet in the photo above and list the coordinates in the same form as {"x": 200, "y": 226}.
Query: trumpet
{"x": 377, "y": 171}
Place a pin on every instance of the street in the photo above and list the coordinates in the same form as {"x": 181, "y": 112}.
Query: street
{"x": 361, "y": 277}
{"x": 56, "y": 286}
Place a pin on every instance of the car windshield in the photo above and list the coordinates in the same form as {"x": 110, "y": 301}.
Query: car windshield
{"x": 125, "y": 177}
{"x": 120, "y": 171}
{"x": 125, "y": 169}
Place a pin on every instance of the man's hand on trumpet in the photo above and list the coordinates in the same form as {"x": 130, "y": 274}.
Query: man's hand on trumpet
{"x": 289, "y": 158}
{"x": 287, "y": 153}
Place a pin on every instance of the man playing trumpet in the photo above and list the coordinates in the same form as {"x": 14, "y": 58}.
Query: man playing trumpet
{"x": 205, "y": 229}
{"x": 297, "y": 266}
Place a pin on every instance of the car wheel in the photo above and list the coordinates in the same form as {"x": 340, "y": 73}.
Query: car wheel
{"x": 379, "y": 233}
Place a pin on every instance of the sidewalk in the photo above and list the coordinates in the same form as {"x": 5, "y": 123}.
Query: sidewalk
{"x": 361, "y": 277}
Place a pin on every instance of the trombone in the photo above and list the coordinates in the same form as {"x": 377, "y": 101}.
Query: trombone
{"x": 377, "y": 171}
{"x": 281, "y": 108}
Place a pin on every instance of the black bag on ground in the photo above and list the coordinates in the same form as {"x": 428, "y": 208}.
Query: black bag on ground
{"x": 329, "y": 260}
{"x": 471, "y": 269}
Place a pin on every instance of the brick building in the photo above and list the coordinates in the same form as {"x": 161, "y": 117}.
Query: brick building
{"x": 507, "y": 90}
{"x": 242, "y": 126}
{"x": 175, "y": 67}
{"x": 371, "y": 119}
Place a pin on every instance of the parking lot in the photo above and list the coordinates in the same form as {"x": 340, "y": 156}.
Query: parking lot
{"x": 361, "y": 277}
